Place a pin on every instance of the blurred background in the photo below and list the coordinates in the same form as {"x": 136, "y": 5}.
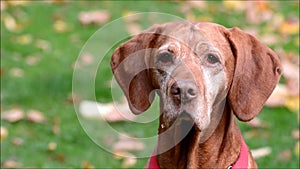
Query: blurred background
{"x": 41, "y": 40}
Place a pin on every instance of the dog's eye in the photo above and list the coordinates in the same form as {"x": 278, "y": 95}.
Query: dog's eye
{"x": 165, "y": 57}
{"x": 212, "y": 59}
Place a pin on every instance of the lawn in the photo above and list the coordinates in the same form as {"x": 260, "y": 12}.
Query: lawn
{"x": 40, "y": 44}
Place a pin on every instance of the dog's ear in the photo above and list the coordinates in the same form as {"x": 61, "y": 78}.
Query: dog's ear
{"x": 131, "y": 71}
{"x": 257, "y": 71}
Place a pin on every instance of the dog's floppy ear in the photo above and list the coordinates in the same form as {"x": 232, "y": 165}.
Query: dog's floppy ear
{"x": 131, "y": 72}
{"x": 257, "y": 71}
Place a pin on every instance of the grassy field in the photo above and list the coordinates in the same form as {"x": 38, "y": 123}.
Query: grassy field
{"x": 40, "y": 42}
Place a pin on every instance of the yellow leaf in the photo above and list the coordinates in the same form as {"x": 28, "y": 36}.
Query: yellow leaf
{"x": 234, "y": 5}
{"x": 52, "y": 146}
{"x": 60, "y": 26}
{"x": 3, "y": 133}
{"x": 94, "y": 17}
{"x": 17, "y": 2}
{"x": 289, "y": 28}
{"x": 292, "y": 103}
{"x": 129, "y": 162}
{"x": 87, "y": 165}
{"x": 23, "y": 39}
{"x": 10, "y": 23}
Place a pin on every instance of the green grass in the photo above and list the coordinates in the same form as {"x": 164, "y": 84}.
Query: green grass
{"x": 46, "y": 86}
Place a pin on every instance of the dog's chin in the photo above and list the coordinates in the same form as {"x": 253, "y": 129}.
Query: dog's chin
{"x": 184, "y": 120}
{"x": 183, "y": 125}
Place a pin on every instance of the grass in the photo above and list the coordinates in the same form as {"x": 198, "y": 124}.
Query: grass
{"x": 47, "y": 85}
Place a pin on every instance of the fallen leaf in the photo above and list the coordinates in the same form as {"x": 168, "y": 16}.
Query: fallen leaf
{"x": 90, "y": 110}
{"x": 234, "y": 5}
{"x": 256, "y": 133}
{"x": 292, "y": 103}
{"x": 93, "y": 17}
{"x": 11, "y": 163}
{"x": 289, "y": 27}
{"x": 16, "y": 72}
{"x": 129, "y": 160}
{"x": 87, "y": 165}
{"x": 4, "y": 133}
{"x": 52, "y": 146}
{"x": 17, "y": 141}
{"x": 257, "y": 123}
{"x": 60, "y": 26}
{"x": 296, "y": 134}
{"x": 127, "y": 143}
{"x": 285, "y": 155}
{"x": 43, "y": 45}
{"x": 35, "y": 116}
{"x": 12, "y": 115}
{"x": 32, "y": 60}
{"x": 23, "y": 39}
{"x": 86, "y": 59}
{"x": 261, "y": 152}
{"x": 18, "y": 3}
{"x": 120, "y": 112}
{"x": 110, "y": 112}
{"x": 10, "y": 23}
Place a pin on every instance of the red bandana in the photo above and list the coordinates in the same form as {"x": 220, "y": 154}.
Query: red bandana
{"x": 242, "y": 161}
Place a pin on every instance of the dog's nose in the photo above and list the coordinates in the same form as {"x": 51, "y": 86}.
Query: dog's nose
{"x": 184, "y": 91}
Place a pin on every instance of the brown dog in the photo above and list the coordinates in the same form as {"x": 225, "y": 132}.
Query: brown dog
{"x": 204, "y": 74}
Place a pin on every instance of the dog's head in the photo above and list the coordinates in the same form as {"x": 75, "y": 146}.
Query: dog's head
{"x": 195, "y": 68}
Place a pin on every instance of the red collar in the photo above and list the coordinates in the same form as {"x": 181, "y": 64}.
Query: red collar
{"x": 242, "y": 161}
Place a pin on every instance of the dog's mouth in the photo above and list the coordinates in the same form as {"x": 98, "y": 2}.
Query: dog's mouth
{"x": 183, "y": 126}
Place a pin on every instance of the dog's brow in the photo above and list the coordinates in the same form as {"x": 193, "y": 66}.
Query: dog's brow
{"x": 166, "y": 46}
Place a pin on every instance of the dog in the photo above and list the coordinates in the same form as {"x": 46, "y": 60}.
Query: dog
{"x": 205, "y": 75}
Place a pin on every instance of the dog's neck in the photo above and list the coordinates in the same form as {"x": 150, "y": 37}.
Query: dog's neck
{"x": 220, "y": 150}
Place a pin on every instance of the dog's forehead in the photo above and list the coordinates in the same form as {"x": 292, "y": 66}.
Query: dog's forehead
{"x": 191, "y": 34}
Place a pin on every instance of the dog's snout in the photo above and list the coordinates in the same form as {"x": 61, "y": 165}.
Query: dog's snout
{"x": 184, "y": 91}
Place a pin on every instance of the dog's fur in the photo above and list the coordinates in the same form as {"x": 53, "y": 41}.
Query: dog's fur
{"x": 202, "y": 72}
